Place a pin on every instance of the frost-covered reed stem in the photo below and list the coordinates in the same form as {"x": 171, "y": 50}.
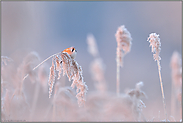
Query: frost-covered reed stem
{"x": 162, "y": 90}
{"x": 155, "y": 43}
{"x": 118, "y": 78}
{"x": 123, "y": 38}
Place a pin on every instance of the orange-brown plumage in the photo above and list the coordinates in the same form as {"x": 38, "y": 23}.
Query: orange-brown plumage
{"x": 71, "y": 51}
{"x": 68, "y": 51}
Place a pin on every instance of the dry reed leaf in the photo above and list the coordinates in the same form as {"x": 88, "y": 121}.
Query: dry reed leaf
{"x": 136, "y": 95}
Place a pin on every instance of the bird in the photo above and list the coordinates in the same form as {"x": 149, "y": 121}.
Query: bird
{"x": 71, "y": 51}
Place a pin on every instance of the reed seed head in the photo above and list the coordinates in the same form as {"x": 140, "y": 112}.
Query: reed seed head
{"x": 155, "y": 44}
{"x": 123, "y": 38}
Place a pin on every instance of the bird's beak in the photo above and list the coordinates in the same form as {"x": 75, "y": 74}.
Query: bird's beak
{"x": 75, "y": 50}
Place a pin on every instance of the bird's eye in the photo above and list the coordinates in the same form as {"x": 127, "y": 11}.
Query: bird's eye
{"x": 72, "y": 49}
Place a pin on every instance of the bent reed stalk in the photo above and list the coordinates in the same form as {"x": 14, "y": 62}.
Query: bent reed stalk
{"x": 41, "y": 64}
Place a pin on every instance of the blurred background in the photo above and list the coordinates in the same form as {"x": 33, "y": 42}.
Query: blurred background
{"x": 50, "y": 27}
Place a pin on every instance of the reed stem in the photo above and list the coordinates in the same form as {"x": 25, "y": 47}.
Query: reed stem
{"x": 118, "y": 77}
{"x": 162, "y": 90}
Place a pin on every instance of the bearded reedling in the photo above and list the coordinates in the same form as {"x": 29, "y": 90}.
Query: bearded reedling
{"x": 65, "y": 61}
{"x": 71, "y": 51}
